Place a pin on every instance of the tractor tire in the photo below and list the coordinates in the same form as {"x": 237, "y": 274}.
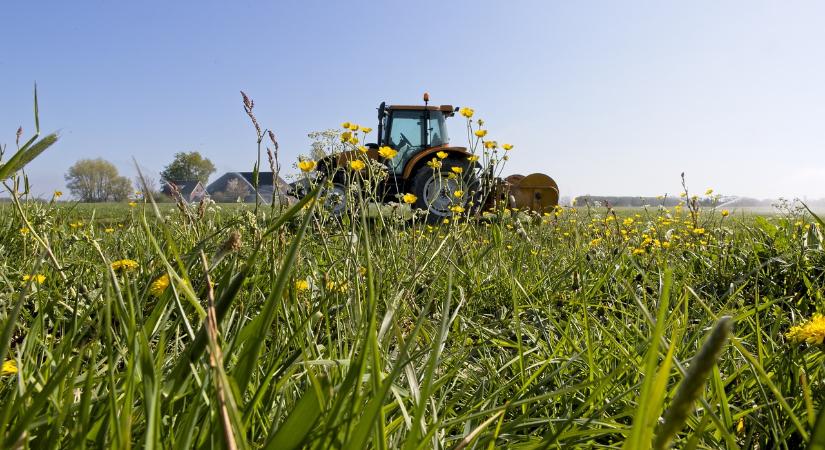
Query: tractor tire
{"x": 335, "y": 195}
{"x": 435, "y": 189}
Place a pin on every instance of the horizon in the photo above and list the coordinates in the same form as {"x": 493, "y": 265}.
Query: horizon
{"x": 614, "y": 99}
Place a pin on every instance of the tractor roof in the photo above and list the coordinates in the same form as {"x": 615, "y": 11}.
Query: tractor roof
{"x": 446, "y": 109}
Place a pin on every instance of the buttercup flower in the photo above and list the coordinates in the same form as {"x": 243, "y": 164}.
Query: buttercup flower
{"x": 345, "y": 136}
{"x": 301, "y": 285}
{"x": 472, "y": 158}
{"x": 490, "y": 144}
{"x": 507, "y": 146}
{"x": 811, "y": 331}
{"x": 58, "y": 194}
{"x": 466, "y": 112}
{"x": 387, "y": 152}
{"x": 725, "y": 213}
{"x": 458, "y": 194}
{"x": 457, "y": 169}
{"x": 366, "y": 130}
{"x": 441, "y": 155}
{"x": 38, "y": 278}
{"x": 307, "y": 165}
{"x": 362, "y": 149}
{"x": 457, "y": 209}
{"x": 345, "y": 125}
{"x": 357, "y": 164}
{"x": 24, "y": 231}
{"x": 434, "y": 163}
{"x": 9, "y": 368}
{"x": 132, "y": 204}
{"x": 159, "y": 286}
{"x": 109, "y": 230}
{"x": 709, "y": 191}
{"x": 409, "y": 198}
{"x": 124, "y": 265}
{"x": 353, "y": 127}
{"x": 480, "y": 133}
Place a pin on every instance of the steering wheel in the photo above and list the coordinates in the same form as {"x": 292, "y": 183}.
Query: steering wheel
{"x": 404, "y": 141}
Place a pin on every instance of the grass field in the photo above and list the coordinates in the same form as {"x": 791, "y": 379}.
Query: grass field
{"x": 214, "y": 327}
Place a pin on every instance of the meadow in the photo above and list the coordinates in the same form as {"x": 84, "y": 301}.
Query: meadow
{"x": 218, "y": 326}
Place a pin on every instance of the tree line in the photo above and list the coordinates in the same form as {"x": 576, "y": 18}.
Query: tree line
{"x": 98, "y": 180}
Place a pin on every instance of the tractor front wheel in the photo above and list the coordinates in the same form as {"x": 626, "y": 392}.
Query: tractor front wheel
{"x": 439, "y": 190}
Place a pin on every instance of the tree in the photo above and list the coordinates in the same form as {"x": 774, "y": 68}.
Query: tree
{"x": 97, "y": 180}
{"x": 188, "y": 167}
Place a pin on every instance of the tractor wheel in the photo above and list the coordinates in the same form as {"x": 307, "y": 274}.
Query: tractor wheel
{"x": 335, "y": 195}
{"x": 436, "y": 188}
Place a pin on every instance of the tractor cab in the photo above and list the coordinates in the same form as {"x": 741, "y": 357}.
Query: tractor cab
{"x": 411, "y": 130}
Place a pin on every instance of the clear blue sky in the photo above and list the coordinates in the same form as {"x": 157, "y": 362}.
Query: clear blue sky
{"x": 607, "y": 97}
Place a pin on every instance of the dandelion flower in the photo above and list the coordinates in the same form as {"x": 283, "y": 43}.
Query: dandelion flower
{"x": 811, "y": 331}
{"x": 507, "y": 146}
{"x": 307, "y": 165}
{"x": 457, "y": 169}
{"x": 387, "y": 152}
{"x": 357, "y": 164}
{"x": 409, "y": 198}
{"x": 466, "y": 112}
{"x": 124, "y": 265}
{"x": 301, "y": 285}
{"x": 158, "y": 287}
{"x": 9, "y": 368}
{"x": 441, "y": 155}
{"x": 37, "y": 278}
{"x": 480, "y": 133}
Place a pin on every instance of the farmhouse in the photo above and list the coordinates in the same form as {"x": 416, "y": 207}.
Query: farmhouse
{"x": 232, "y": 186}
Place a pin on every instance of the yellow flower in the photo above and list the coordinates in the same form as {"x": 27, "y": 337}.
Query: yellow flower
{"x": 409, "y": 199}
{"x": 490, "y": 144}
{"x": 9, "y": 368}
{"x": 362, "y": 149}
{"x": 345, "y": 125}
{"x": 109, "y": 230}
{"x": 387, "y": 152}
{"x": 434, "y": 163}
{"x": 740, "y": 426}
{"x": 466, "y": 112}
{"x": 307, "y": 165}
{"x": 366, "y": 130}
{"x": 37, "y": 278}
{"x": 353, "y": 140}
{"x": 353, "y": 127}
{"x": 811, "y": 331}
{"x": 345, "y": 136}
{"x": 58, "y": 194}
{"x": 709, "y": 191}
{"x": 472, "y": 158}
{"x": 24, "y": 231}
{"x": 458, "y": 194}
{"x": 699, "y": 231}
{"x": 124, "y": 265}
{"x": 457, "y": 169}
{"x": 507, "y": 146}
{"x": 595, "y": 242}
{"x": 158, "y": 287}
{"x": 725, "y": 213}
{"x": 441, "y": 155}
{"x": 301, "y": 285}
{"x": 457, "y": 209}
{"x": 357, "y": 164}
{"x": 481, "y": 133}
{"x": 638, "y": 251}
{"x": 132, "y": 204}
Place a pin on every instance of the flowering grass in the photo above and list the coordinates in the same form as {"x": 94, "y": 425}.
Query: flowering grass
{"x": 578, "y": 328}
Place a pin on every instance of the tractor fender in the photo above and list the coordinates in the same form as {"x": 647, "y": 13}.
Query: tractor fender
{"x": 421, "y": 159}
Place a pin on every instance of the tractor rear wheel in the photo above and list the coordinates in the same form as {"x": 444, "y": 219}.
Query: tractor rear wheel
{"x": 335, "y": 195}
{"x": 436, "y": 189}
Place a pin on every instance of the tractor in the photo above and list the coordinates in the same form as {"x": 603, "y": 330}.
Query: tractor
{"x": 418, "y": 133}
